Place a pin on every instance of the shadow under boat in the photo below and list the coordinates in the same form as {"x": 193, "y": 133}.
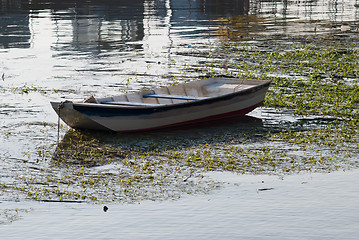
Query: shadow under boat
{"x": 86, "y": 147}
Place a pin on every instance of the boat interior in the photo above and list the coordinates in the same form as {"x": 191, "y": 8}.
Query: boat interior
{"x": 181, "y": 93}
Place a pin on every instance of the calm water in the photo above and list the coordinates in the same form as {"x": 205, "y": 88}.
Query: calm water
{"x": 71, "y": 49}
{"x": 317, "y": 206}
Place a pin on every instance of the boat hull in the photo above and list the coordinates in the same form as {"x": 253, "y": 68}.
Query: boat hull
{"x": 145, "y": 118}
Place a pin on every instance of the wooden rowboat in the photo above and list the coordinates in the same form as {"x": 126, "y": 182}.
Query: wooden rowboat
{"x": 172, "y": 106}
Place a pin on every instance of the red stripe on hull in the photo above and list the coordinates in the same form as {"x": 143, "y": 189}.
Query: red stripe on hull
{"x": 206, "y": 119}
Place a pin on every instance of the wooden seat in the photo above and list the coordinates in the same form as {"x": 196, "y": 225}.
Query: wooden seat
{"x": 132, "y": 103}
{"x": 178, "y": 97}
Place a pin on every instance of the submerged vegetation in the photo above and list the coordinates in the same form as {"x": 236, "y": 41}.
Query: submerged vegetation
{"x": 309, "y": 122}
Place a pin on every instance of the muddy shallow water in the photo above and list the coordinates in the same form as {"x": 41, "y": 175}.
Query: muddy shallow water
{"x": 173, "y": 183}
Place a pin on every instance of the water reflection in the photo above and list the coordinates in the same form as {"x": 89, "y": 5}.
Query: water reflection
{"x": 225, "y": 7}
{"x": 104, "y": 25}
{"x": 101, "y": 26}
{"x": 14, "y": 25}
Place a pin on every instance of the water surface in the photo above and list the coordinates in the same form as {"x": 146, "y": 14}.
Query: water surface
{"x": 52, "y": 50}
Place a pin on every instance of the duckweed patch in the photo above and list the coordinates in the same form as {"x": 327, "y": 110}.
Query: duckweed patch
{"x": 309, "y": 80}
{"x": 85, "y": 168}
{"x": 86, "y": 151}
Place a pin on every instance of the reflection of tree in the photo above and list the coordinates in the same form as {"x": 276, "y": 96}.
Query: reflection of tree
{"x": 97, "y": 25}
{"x": 287, "y": 17}
{"x": 225, "y": 7}
{"x": 237, "y": 27}
{"x": 14, "y": 28}
{"x": 132, "y": 6}
{"x": 10, "y": 5}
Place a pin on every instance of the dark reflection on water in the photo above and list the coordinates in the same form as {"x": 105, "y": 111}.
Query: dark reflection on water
{"x": 14, "y": 25}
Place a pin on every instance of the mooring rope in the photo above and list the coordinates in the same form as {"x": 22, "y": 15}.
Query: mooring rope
{"x": 61, "y": 105}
